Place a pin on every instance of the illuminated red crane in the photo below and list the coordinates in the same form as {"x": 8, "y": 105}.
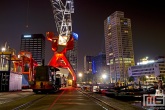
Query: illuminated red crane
{"x": 64, "y": 41}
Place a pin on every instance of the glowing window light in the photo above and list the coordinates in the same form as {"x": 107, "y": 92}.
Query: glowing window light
{"x": 125, "y": 31}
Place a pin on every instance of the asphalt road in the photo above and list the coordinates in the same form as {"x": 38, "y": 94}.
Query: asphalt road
{"x": 68, "y": 98}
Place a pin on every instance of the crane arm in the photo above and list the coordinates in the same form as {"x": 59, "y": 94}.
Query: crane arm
{"x": 62, "y": 16}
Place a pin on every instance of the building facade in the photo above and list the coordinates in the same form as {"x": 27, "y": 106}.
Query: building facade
{"x": 72, "y": 55}
{"x": 99, "y": 64}
{"x": 88, "y": 76}
{"x": 118, "y": 45}
{"x": 150, "y": 69}
{"x": 88, "y": 64}
{"x": 99, "y": 68}
{"x": 34, "y": 43}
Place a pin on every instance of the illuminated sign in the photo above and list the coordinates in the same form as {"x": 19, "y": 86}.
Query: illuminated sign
{"x": 27, "y": 36}
{"x": 145, "y": 62}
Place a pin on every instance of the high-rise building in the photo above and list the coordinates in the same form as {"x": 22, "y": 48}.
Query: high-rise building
{"x": 99, "y": 64}
{"x": 118, "y": 46}
{"x": 73, "y": 54}
{"x": 88, "y": 64}
{"x": 34, "y": 43}
{"x": 99, "y": 68}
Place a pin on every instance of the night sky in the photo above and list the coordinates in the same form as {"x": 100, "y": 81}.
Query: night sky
{"x": 147, "y": 19}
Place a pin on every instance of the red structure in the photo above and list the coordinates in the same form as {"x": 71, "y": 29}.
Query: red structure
{"x": 24, "y": 64}
{"x": 19, "y": 67}
{"x": 28, "y": 64}
{"x": 59, "y": 59}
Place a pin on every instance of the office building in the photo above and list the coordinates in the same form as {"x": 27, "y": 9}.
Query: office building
{"x": 72, "y": 55}
{"x": 99, "y": 64}
{"x": 118, "y": 46}
{"x": 88, "y": 64}
{"x": 100, "y": 69}
{"x": 34, "y": 43}
{"x": 150, "y": 69}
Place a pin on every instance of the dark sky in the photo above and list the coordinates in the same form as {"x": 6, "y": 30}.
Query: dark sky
{"x": 147, "y": 19}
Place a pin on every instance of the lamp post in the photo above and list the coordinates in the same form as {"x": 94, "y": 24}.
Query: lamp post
{"x": 104, "y": 76}
{"x": 80, "y": 76}
{"x": 3, "y": 49}
{"x": 147, "y": 81}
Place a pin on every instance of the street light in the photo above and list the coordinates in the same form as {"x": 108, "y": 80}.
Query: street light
{"x": 104, "y": 76}
{"x": 3, "y": 49}
{"x": 80, "y": 76}
{"x": 147, "y": 76}
{"x": 147, "y": 81}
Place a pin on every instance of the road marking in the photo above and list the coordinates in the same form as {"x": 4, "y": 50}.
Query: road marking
{"x": 56, "y": 100}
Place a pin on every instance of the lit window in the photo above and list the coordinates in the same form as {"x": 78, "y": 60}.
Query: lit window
{"x": 125, "y": 31}
{"x": 109, "y": 34}
{"x": 125, "y": 23}
{"x": 109, "y": 27}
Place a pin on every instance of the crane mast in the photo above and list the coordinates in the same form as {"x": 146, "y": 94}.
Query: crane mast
{"x": 65, "y": 40}
{"x": 62, "y": 16}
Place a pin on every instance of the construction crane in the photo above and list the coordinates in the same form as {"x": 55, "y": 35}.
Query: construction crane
{"x": 64, "y": 41}
{"x": 63, "y": 20}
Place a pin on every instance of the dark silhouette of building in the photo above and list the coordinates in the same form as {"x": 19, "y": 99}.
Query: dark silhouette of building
{"x": 34, "y": 43}
{"x": 88, "y": 64}
{"x": 99, "y": 64}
